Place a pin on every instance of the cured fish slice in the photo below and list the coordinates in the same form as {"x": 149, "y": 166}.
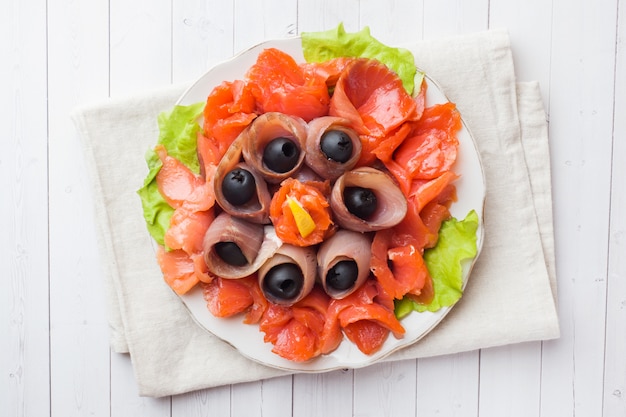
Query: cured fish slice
{"x": 343, "y": 246}
{"x": 398, "y": 269}
{"x": 367, "y": 335}
{"x": 278, "y": 290}
{"x": 373, "y": 98}
{"x": 328, "y": 70}
{"x": 391, "y": 204}
{"x": 369, "y": 304}
{"x": 227, "y": 297}
{"x": 311, "y": 196}
{"x": 279, "y": 84}
{"x": 178, "y": 269}
{"x": 432, "y": 147}
{"x": 296, "y": 331}
{"x": 262, "y": 131}
{"x": 255, "y": 210}
{"x": 317, "y": 160}
{"x": 187, "y": 229}
{"x": 181, "y": 187}
{"x": 229, "y": 109}
{"x": 257, "y": 243}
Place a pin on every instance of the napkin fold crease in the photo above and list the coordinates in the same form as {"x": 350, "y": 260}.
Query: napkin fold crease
{"x": 511, "y": 294}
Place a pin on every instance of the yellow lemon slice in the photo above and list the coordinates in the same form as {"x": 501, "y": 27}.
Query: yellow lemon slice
{"x": 303, "y": 219}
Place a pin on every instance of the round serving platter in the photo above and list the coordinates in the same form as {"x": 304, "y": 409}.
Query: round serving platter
{"x": 247, "y": 338}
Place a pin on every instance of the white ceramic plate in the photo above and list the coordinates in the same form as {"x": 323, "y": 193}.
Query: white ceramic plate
{"x": 248, "y": 339}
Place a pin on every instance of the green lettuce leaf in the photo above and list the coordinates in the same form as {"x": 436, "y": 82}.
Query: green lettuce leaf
{"x": 457, "y": 242}
{"x": 178, "y": 134}
{"x": 334, "y": 43}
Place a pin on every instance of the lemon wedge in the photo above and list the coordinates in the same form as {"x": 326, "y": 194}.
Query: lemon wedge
{"x": 304, "y": 221}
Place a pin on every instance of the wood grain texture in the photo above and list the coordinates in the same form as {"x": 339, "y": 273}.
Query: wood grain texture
{"x": 581, "y": 114}
{"x": 24, "y": 325}
{"x": 78, "y": 72}
{"x": 615, "y": 340}
{"x": 55, "y": 356}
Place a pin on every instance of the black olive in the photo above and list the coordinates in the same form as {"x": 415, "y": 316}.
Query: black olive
{"x": 230, "y": 253}
{"x": 238, "y": 186}
{"x": 283, "y": 281}
{"x": 360, "y": 201}
{"x": 336, "y": 145}
{"x": 281, "y": 155}
{"x": 342, "y": 276}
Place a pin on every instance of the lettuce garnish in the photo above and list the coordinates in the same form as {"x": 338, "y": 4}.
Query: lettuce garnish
{"x": 178, "y": 134}
{"x": 457, "y": 242}
{"x": 335, "y": 43}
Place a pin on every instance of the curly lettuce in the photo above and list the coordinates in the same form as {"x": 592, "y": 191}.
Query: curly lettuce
{"x": 457, "y": 242}
{"x": 335, "y": 43}
{"x": 178, "y": 131}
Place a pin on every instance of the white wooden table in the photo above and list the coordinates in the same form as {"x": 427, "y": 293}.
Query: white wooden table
{"x": 54, "y": 353}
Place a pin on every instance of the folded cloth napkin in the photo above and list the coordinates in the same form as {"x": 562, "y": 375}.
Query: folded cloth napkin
{"x": 511, "y": 294}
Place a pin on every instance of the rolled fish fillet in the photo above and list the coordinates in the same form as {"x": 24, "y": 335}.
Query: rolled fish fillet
{"x": 317, "y": 160}
{"x": 344, "y": 246}
{"x": 255, "y": 242}
{"x": 255, "y": 210}
{"x": 262, "y": 131}
{"x": 289, "y": 275}
{"x": 391, "y": 206}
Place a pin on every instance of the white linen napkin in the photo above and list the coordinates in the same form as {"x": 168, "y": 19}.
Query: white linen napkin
{"x": 511, "y": 294}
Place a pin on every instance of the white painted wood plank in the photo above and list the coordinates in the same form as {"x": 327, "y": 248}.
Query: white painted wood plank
{"x": 581, "y": 111}
{"x": 140, "y": 59}
{"x": 271, "y": 398}
{"x": 452, "y": 17}
{"x": 209, "y": 402}
{"x": 510, "y": 379}
{"x": 615, "y": 360}
{"x": 77, "y": 72}
{"x": 256, "y": 22}
{"x": 317, "y": 15}
{"x": 385, "y": 389}
{"x": 202, "y": 36}
{"x": 125, "y": 400}
{"x": 329, "y": 394}
{"x": 24, "y": 387}
{"x": 140, "y": 45}
{"x": 448, "y": 385}
{"x": 395, "y": 22}
{"x": 510, "y": 375}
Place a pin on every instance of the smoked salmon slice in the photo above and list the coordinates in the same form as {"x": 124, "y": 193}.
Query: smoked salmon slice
{"x": 372, "y": 97}
{"x": 178, "y": 269}
{"x": 296, "y": 331}
{"x": 279, "y": 84}
{"x": 181, "y": 187}
{"x": 229, "y": 109}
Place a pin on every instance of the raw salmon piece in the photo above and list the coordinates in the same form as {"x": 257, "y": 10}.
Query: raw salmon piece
{"x": 367, "y": 335}
{"x": 227, "y": 297}
{"x": 178, "y": 269}
{"x": 181, "y": 187}
{"x": 372, "y": 96}
{"x": 431, "y": 149}
{"x": 187, "y": 229}
{"x": 329, "y": 70}
{"x": 398, "y": 269}
{"x": 279, "y": 84}
{"x": 310, "y": 195}
{"x": 297, "y": 331}
{"x": 229, "y": 109}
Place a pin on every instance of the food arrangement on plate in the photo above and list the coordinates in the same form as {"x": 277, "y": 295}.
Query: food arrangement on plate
{"x": 306, "y": 190}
